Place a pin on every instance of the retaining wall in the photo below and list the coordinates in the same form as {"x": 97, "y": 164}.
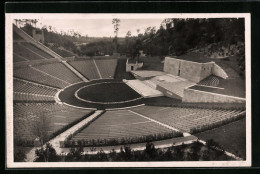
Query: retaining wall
{"x": 171, "y": 66}
{"x": 192, "y": 71}
{"x": 196, "y": 96}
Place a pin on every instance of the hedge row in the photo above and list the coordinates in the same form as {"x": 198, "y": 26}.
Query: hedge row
{"x": 217, "y": 124}
{"x": 30, "y": 143}
{"x": 226, "y": 106}
{"x": 120, "y": 141}
{"x": 23, "y": 142}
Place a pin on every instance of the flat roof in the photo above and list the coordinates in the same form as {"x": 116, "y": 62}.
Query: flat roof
{"x": 147, "y": 73}
{"x": 194, "y": 57}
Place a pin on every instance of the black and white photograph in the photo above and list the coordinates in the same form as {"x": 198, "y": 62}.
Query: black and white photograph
{"x": 128, "y": 90}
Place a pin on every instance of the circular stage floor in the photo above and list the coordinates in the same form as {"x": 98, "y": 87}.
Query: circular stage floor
{"x": 100, "y": 94}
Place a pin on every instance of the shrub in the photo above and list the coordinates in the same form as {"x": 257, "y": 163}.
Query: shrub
{"x": 122, "y": 141}
{"x": 19, "y": 156}
{"x": 46, "y": 154}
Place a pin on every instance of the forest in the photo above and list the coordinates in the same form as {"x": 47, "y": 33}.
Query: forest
{"x": 213, "y": 37}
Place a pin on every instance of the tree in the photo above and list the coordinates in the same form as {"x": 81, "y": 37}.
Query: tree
{"x": 138, "y": 31}
{"x": 75, "y": 154}
{"x": 138, "y": 46}
{"x": 46, "y": 154}
{"x": 128, "y": 40}
{"x": 150, "y": 150}
{"x": 19, "y": 156}
{"x": 126, "y": 153}
{"x": 40, "y": 128}
{"x": 116, "y": 23}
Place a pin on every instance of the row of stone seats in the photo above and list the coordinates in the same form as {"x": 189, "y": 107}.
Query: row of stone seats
{"x": 24, "y": 97}
{"x": 60, "y": 71}
{"x": 87, "y": 68}
{"x": 107, "y": 67}
{"x": 30, "y": 118}
{"x": 185, "y": 118}
{"x": 33, "y": 75}
{"x": 28, "y": 87}
{"x": 120, "y": 124}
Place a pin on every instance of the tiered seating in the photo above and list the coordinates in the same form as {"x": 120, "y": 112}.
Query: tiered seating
{"x": 34, "y": 108}
{"x": 210, "y": 81}
{"x": 59, "y": 70}
{"x": 61, "y": 52}
{"x": 185, "y": 119}
{"x": 28, "y": 87}
{"x": 31, "y": 74}
{"x": 119, "y": 124}
{"x": 87, "y": 68}
{"x": 24, "y": 97}
{"x": 25, "y": 53}
{"x": 53, "y": 117}
{"x": 36, "y": 50}
{"x": 107, "y": 67}
{"x": 18, "y": 58}
{"x": 16, "y": 37}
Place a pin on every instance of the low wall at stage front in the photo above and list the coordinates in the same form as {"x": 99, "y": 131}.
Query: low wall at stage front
{"x": 196, "y": 96}
{"x": 167, "y": 92}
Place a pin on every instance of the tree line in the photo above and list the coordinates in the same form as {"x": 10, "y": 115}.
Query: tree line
{"x": 196, "y": 151}
{"x": 174, "y": 37}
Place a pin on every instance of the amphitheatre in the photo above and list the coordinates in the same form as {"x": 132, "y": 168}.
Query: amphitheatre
{"x": 95, "y": 102}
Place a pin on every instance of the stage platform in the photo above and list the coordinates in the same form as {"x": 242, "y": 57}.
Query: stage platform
{"x": 143, "y": 89}
{"x": 168, "y": 84}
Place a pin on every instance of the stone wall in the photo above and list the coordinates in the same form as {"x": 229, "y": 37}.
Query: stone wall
{"x": 38, "y": 35}
{"x": 133, "y": 66}
{"x": 171, "y": 66}
{"x": 190, "y": 70}
{"x": 195, "y": 96}
{"x": 218, "y": 71}
{"x": 206, "y": 70}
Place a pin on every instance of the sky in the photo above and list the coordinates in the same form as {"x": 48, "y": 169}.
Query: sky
{"x": 100, "y": 27}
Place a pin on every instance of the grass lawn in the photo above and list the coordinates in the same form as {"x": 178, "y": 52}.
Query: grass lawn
{"x": 232, "y": 137}
{"x": 108, "y": 92}
{"x": 160, "y": 101}
{"x": 232, "y": 87}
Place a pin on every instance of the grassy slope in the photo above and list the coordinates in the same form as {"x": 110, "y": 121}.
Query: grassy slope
{"x": 231, "y": 136}
{"x": 152, "y": 63}
{"x": 234, "y": 85}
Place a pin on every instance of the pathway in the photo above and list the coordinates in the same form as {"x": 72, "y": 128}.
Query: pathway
{"x": 97, "y": 68}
